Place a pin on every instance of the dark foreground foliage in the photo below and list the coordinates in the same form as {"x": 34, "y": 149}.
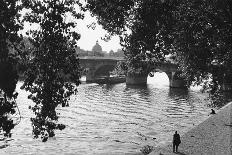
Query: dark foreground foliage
{"x": 197, "y": 34}
{"x": 53, "y": 68}
{"x": 9, "y": 26}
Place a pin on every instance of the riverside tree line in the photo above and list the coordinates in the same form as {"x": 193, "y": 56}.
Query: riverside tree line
{"x": 196, "y": 33}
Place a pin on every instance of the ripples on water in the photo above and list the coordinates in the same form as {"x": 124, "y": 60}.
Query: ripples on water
{"x": 113, "y": 119}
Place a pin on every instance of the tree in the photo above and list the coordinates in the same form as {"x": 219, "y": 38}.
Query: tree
{"x": 53, "y": 71}
{"x": 9, "y": 26}
{"x": 197, "y": 33}
{"x": 111, "y": 53}
{"x": 141, "y": 26}
{"x": 202, "y": 38}
{"x": 119, "y": 53}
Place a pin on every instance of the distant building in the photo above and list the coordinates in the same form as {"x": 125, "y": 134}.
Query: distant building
{"x": 96, "y": 50}
{"x": 97, "y": 47}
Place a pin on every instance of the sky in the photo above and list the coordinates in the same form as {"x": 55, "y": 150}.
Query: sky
{"x": 90, "y": 36}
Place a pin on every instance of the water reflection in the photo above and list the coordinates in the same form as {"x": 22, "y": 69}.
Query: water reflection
{"x": 142, "y": 93}
{"x": 107, "y": 87}
{"x": 178, "y": 93}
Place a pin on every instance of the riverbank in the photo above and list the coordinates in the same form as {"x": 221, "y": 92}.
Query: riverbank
{"x": 211, "y": 137}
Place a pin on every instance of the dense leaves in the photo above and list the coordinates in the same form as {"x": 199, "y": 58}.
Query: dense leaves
{"x": 114, "y": 15}
{"x": 202, "y": 39}
{"x": 141, "y": 26}
{"x": 9, "y": 26}
{"x": 53, "y": 68}
{"x": 196, "y": 33}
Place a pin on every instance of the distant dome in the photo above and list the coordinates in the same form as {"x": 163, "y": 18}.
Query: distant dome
{"x": 97, "y": 47}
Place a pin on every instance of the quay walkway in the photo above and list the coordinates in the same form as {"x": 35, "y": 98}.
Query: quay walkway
{"x": 211, "y": 137}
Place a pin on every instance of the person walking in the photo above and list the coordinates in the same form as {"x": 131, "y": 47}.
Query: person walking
{"x": 176, "y": 141}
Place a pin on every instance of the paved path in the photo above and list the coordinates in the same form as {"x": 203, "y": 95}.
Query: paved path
{"x": 211, "y": 137}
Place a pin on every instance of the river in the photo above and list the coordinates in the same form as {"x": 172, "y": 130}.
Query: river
{"x": 113, "y": 119}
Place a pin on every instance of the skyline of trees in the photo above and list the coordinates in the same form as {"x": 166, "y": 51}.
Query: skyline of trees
{"x": 81, "y": 52}
{"x": 52, "y": 69}
{"x": 53, "y": 73}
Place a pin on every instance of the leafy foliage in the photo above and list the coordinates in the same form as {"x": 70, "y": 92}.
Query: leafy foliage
{"x": 9, "y": 26}
{"x": 196, "y": 33}
{"x": 120, "y": 69}
{"x": 202, "y": 40}
{"x": 114, "y": 15}
{"x": 141, "y": 26}
{"x": 53, "y": 68}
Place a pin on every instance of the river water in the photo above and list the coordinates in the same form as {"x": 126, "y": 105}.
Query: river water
{"x": 113, "y": 119}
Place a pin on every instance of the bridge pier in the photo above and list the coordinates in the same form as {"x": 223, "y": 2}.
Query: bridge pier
{"x": 175, "y": 82}
{"x": 90, "y": 75}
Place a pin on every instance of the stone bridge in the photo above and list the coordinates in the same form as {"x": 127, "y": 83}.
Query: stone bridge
{"x": 98, "y": 66}
{"x": 169, "y": 68}
{"x": 101, "y": 66}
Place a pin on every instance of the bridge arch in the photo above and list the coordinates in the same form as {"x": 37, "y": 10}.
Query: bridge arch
{"x": 158, "y": 78}
{"x": 97, "y": 66}
{"x": 173, "y": 77}
{"x": 168, "y": 68}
